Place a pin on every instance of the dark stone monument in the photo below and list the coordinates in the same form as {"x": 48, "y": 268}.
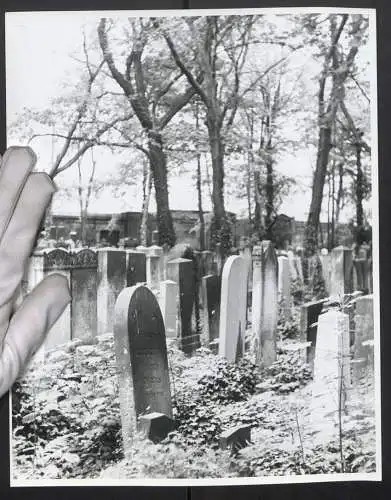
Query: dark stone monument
{"x": 141, "y": 353}
{"x": 182, "y": 272}
{"x": 155, "y": 426}
{"x": 136, "y": 268}
{"x": 211, "y": 291}
{"x": 236, "y": 438}
{"x": 309, "y": 316}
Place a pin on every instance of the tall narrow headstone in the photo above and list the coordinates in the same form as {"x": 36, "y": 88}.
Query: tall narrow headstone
{"x": 233, "y": 307}
{"x": 182, "y": 272}
{"x": 168, "y": 301}
{"x": 211, "y": 289}
{"x": 309, "y": 314}
{"x": 141, "y": 355}
{"x": 364, "y": 331}
{"x": 207, "y": 261}
{"x": 284, "y": 287}
{"x": 84, "y": 291}
{"x": 111, "y": 281}
{"x": 245, "y": 253}
{"x": 325, "y": 260}
{"x": 155, "y": 266}
{"x": 341, "y": 278}
{"x": 136, "y": 271}
{"x": 332, "y": 380}
{"x": 265, "y": 302}
{"x": 360, "y": 275}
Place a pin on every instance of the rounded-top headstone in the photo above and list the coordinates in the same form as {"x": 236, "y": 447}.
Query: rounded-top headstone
{"x": 141, "y": 342}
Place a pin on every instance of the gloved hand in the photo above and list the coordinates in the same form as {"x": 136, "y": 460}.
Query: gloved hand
{"x": 24, "y": 323}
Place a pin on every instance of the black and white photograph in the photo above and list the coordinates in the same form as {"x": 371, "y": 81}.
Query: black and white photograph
{"x": 216, "y": 219}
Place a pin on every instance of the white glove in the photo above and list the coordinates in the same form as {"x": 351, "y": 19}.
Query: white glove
{"x": 24, "y": 197}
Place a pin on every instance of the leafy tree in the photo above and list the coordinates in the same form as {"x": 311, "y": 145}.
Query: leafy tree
{"x": 156, "y": 93}
{"x": 338, "y": 62}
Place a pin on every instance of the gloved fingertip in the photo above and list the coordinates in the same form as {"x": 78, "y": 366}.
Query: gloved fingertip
{"x": 43, "y": 181}
{"x": 23, "y": 153}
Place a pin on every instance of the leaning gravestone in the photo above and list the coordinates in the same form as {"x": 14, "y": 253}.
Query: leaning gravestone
{"x": 141, "y": 354}
{"x": 233, "y": 308}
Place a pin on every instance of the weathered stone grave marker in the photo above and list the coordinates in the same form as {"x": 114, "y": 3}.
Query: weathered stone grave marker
{"x": 111, "y": 280}
{"x": 211, "y": 290}
{"x": 84, "y": 291}
{"x": 265, "y": 302}
{"x": 168, "y": 301}
{"x": 284, "y": 287}
{"x": 142, "y": 365}
{"x": 155, "y": 266}
{"x": 136, "y": 268}
{"x": 233, "y": 307}
{"x": 182, "y": 272}
{"x": 364, "y": 331}
{"x": 341, "y": 275}
{"x": 360, "y": 275}
{"x": 325, "y": 260}
{"x": 332, "y": 380}
{"x": 309, "y": 314}
{"x": 236, "y": 438}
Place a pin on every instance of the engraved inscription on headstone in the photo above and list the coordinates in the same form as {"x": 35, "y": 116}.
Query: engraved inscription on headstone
{"x": 141, "y": 352}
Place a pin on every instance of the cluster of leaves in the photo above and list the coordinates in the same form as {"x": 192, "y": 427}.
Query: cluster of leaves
{"x": 256, "y": 461}
{"x": 297, "y": 291}
{"x": 69, "y": 417}
{"x": 197, "y": 422}
{"x": 229, "y": 382}
{"x": 288, "y": 329}
{"x": 286, "y": 374}
{"x": 171, "y": 460}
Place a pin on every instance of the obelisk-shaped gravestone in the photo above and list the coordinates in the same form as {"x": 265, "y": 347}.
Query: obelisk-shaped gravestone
{"x": 141, "y": 354}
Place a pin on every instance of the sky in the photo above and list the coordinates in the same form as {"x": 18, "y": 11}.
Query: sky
{"x": 38, "y": 48}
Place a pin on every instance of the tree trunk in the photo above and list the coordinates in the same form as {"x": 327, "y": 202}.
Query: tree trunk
{"x": 200, "y": 210}
{"x": 83, "y": 226}
{"x": 269, "y": 199}
{"x": 258, "y": 205}
{"x": 147, "y": 188}
{"x": 312, "y": 227}
{"x": 359, "y": 197}
{"x": 220, "y": 229}
{"x": 159, "y": 171}
{"x": 333, "y": 211}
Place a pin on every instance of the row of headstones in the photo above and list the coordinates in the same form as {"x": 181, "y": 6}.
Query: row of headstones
{"x": 97, "y": 277}
{"x": 141, "y": 352}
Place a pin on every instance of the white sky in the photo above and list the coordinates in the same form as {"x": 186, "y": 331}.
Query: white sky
{"x": 38, "y": 46}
